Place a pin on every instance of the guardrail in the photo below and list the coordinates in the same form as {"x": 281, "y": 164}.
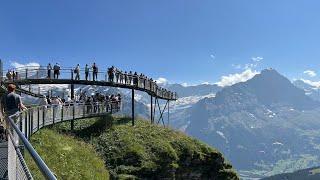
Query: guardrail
{"x": 22, "y": 125}
{"x": 119, "y": 78}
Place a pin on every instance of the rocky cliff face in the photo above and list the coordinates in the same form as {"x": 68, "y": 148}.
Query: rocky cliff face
{"x": 264, "y": 124}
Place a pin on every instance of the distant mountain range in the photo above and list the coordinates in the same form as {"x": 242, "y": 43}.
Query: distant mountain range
{"x": 264, "y": 126}
{"x": 197, "y": 90}
{"x": 305, "y": 174}
{"x": 312, "y": 91}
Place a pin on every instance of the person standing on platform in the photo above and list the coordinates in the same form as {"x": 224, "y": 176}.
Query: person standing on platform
{"x": 95, "y": 72}
{"x": 117, "y": 72}
{"x": 77, "y": 72}
{"x": 121, "y": 77}
{"x": 56, "y": 71}
{"x": 49, "y": 68}
{"x": 125, "y": 77}
{"x": 130, "y": 77}
{"x": 86, "y": 71}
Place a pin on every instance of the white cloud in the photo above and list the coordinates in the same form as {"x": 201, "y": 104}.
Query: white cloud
{"x": 237, "y": 66}
{"x": 252, "y": 65}
{"x": 19, "y": 65}
{"x": 184, "y": 84}
{"x": 212, "y": 56}
{"x": 312, "y": 83}
{"x": 257, "y": 59}
{"x": 310, "y": 73}
{"x": 232, "y": 79}
{"x": 162, "y": 81}
{"x": 206, "y": 83}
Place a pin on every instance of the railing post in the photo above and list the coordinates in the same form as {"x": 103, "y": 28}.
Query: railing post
{"x": 71, "y": 74}
{"x": 26, "y": 124}
{"x": 53, "y": 113}
{"x": 20, "y": 123}
{"x": 132, "y": 106}
{"x": 31, "y": 123}
{"x": 72, "y": 121}
{"x": 43, "y": 116}
{"x": 26, "y": 73}
{"x": 62, "y": 113}
{"x": 151, "y": 109}
{"x": 38, "y": 119}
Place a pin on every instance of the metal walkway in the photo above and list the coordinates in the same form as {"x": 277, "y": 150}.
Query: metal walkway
{"x": 3, "y": 160}
{"x": 22, "y": 125}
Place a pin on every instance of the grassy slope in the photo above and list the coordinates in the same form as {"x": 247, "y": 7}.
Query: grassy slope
{"x": 306, "y": 174}
{"x": 143, "y": 151}
{"x": 150, "y": 151}
{"x": 68, "y": 157}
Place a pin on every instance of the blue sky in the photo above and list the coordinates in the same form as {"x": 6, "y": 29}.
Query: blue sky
{"x": 190, "y": 41}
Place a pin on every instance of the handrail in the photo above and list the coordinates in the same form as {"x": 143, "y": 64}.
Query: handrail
{"x": 35, "y": 156}
{"x": 119, "y": 78}
{"x": 30, "y": 125}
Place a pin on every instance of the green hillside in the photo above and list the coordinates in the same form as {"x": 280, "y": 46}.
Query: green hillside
{"x": 306, "y": 174}
{"x": 148, "y": 151}
{"x": 66, "y": 156}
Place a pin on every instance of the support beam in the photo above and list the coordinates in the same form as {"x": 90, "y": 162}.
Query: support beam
{"x": 168, "y": 113}
{"x": 161, "y": 112}
{"x": 132, "y": 106}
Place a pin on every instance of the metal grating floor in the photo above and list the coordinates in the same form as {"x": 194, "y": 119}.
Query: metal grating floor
{"x": 3, "y": 160}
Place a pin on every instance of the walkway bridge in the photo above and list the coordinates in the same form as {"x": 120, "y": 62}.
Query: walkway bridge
{"x": 22, "y": 125}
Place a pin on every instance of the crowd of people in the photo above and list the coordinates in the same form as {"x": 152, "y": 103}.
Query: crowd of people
{"x": 12, "y": 74}
{"x": 113, "y": 75}
{"x": 110, "y": 102}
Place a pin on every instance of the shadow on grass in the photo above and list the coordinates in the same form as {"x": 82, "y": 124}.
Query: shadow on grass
{"x": 103, "y": 123}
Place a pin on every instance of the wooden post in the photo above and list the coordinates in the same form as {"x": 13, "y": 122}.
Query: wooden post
{"x": 132, "y": 106}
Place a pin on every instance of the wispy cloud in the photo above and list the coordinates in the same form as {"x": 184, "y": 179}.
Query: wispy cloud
{"x": 162, "y": 81}
{"x": 310, "y": 73}
{"x": 16, "y": 64}
{"x": 232, "y": 79}
{"x": 257, "y": 59}
{"x": 254, "y": 63}
{"x": 212, "y": 56}
{"x": 312, "y": 83}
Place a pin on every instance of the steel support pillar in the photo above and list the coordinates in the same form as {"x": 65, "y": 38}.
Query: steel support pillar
{"x": 132, "y": 106}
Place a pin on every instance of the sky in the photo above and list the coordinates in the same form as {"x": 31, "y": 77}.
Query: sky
{"x": 181, "y": 41}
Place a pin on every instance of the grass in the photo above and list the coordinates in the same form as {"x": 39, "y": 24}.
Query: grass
{"x": 144, "y": 151}
{"x": 153, "y": 152}
{"x": 66, "y": 156}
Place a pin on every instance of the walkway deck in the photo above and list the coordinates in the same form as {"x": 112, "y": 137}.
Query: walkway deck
{"x": 3, "y": 160}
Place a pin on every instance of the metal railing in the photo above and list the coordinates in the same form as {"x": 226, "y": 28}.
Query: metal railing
{"x": 129, "y": 80}
{"x": 22, "y": 125}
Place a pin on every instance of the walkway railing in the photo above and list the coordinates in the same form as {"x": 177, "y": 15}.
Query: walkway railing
{"x": 129, "y": 80}
{"x": 22, "y": 125}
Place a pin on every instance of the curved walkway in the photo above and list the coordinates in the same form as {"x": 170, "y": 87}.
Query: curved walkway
{"x": 22, "y": 125}
{"x": 38, "y": 75}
